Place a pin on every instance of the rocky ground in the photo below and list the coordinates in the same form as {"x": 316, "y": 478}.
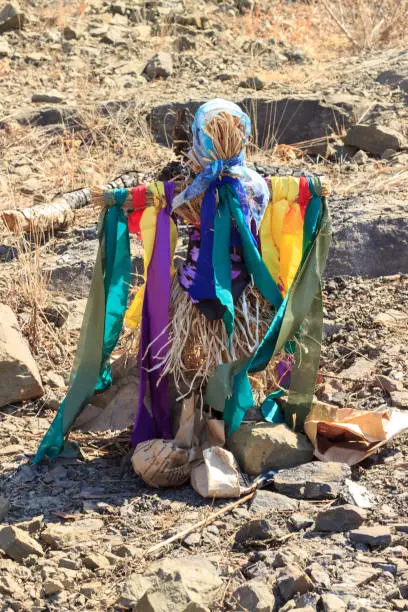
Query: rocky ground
{"x": 92, "y": 89}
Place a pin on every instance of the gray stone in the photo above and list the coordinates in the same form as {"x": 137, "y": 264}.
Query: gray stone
{"x": 402, "y": 527}
{"x": 319, "y": 575}
{"x": 5, "y": 49}
{"x": 17, "y": 544}
{"x": 257, "y": 530}
{"x": 11, "y": 17}
{"x": 4, "y": 507}
{"x": 61, "y": 536}
{"x": 127, "y": 550}
{"x": 399, "y": 399}
{"x": 255, "y": 596}
{"x": 360, "y": 157}
{"x": 387, "y": 383}
{"x": 253, "y": 82}
{"x": 291, "y": 581}
{"x": 95, "y": 561}
{"x": 52, "y": 587}
{"x": 70, "y": 33}
{"x": 259, "y": 447}
{"x": 388, "y": 154}
{"x": 372, "y": 536}
{"x": 300, "y": 521}
{"x": 9, "y": 586}
{"x": 186, "y": 580}
{"x": 160, "y": 66}
{"x": 340, "y": 518}
{"x": 267, "y": 502}
{"x": 332, "y": 603}
{"x": 185, "y": 43}
{"x": 134, "y": 589}
{"x": 53, "y": 97}
{"x": 19, "y": 376}
{"x": 315, "y": 480}
{"x": 374, "y": 138}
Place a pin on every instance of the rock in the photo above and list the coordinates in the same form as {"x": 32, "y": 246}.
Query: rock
{"x": 319, "y": 576}
{"x": 340, "y": 518}
{"x": 387, "y": 383}
{"x": 18, "y": 545}
{"x": 360, "y": 370}
{"x": 185, "y": 581}
{"x": 255, "y": 530}
{"x": 259, "y": 447}
{"x": 185, "y": 43}
{"x": 291, "y": 581}
{"x": 5, "y": 49}
{"x": 9, "y": 586}
{"x": 253, "y": 82}
{"x": 374, "y": 138}
{"x": 372, "y": 536}
{"x": 358, "y": 495}
{"x": 160, "y": 66}
{"x": 33, "y": 525}
{"x": 61, "y": 536}
{"x": 4, "y": 507}
{"x": 402, "y": 527}
{"x": 50, "y": 96}
{"x": 394, "y": 78}
{"x": 315, "y": 480}
{"x": 20, "y": 379}
{"x": 332, "y": 603}
{"x": 51, "y": 587}
{"x": 134, "y": 589}
{"x": 360, "y": 157}
{"x": 95, "y": 561}
{"x": 11, "y": 17}
{"x": 255, "y": 596}
{"x": 266, "y": 502}
{"x": 54, "y": 380}
{"x": 70, "y": 564}
{"x": 127, "y": 551}
{"x": 300, "y": 521}
{"x": 388, "y": 154}
{"x": 70, "y": 33}
{"x": 399, "y": 399}
{"x": 304, "y": 119}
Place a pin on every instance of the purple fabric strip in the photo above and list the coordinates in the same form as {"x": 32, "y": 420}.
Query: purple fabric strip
{"x": 155, "y": 318}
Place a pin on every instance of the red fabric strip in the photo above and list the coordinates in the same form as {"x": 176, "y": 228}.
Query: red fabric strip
{"x": 139, "y": 205}
{"x": 304, "y": 195}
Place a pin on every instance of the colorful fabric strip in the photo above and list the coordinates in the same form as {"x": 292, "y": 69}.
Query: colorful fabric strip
{"x": 102, "y": 324}
{"x": 154, "y": 333}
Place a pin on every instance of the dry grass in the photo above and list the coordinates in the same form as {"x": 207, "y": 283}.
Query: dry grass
{"x": 341, "y": 24}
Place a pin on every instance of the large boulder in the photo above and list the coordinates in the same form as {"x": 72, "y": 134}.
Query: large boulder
{"x": 19, "y": 376}
{"x": 259, "y": 447}
{"x": 11, "y": 17}
{"x": 374, "y": 138}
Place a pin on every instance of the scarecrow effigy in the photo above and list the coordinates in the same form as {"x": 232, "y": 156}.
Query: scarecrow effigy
{"x": 243, "y": 311}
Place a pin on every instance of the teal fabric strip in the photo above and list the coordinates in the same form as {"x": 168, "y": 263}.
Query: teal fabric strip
{"x": 271, "y": 410}
{"x": 222, "y": 264}
{"x": 100, "y": 328}
{"x": 232, "y": 379}
{"x": 116, "y": 282}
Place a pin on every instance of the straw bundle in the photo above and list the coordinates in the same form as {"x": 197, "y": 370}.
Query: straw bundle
{"x": 196, "y": 346}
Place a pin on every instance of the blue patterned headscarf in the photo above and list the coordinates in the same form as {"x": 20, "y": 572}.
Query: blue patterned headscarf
{"x": 256, "y": 189}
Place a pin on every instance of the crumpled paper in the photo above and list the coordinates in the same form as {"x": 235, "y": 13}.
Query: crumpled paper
{"x": 349, "y": 436}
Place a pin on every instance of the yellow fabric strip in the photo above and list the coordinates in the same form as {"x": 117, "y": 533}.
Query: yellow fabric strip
{"x": 148, "y": 225}
{"x": 285, "y": 191}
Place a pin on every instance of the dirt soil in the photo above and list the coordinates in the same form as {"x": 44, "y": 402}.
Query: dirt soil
{"x": 75, "y": 110}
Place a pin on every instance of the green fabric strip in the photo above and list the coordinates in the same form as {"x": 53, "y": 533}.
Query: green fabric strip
{"x": 229, "y": 386}
{"x": 104, "y": 302}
